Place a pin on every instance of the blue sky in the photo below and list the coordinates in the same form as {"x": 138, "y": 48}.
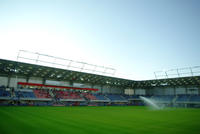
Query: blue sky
{"x": 136, "y": 37}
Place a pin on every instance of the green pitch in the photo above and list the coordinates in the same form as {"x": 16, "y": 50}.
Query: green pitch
{"x": 98, "y": 120}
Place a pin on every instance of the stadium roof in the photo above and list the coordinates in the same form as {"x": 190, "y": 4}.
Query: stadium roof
{"x": 26, "y": 70}
{"x": 14, "y": 68}
{"x": 181, "y": 81}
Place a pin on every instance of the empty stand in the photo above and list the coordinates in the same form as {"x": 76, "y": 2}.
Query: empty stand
{"x": 194, "y": 98}
{"x": 67, "y": 95}
{"x": 182, "y": 98}
{"x": 100, "y": 97}
{"x": 115, "y": 97}
{"x": 4, "y": 93}
{"x": 24, "y": 94}
{"x": 41, "y": 94}
{"x": 89, "y": 96}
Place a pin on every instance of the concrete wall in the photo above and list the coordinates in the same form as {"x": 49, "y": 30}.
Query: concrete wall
{"x": 113, "y": 90}
{"x": 35, "y": 80}
{"x": 3, "y": 81}
{"x": 161, "y": 91}
{"x": 140, "y": 91}
{"x": 169, "y": 91}
{"x": 192, "y": 90}
{"x": 58, "y": 83}
{"x": 116, "y": 90}
{"x": 180, "y": 90}
{"x": 106, "y": 89}
{"x": 98, "y": 87}
{"x": 172, "y": 90}
{"x": 14, "y": 80}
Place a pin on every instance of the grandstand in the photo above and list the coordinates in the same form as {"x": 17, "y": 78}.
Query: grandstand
{"x": 32, "y": 84}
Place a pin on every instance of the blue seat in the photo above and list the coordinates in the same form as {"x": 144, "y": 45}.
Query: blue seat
{"x": 24, "y": 94}
{"x": 115, "y": 97}
{"x": 195, "y": 98}
{"x": 4, "y": 93}
{"x": 100, "y": 97}
{"x": 183, "y": 98}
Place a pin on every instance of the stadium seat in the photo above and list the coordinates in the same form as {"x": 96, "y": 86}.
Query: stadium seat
{"x": 89, "y": 96}
{"x": 182, "y": 98}
{"x": 4, "y": 93}
{"x": 67, "y": 95}
{"x": 41, "y": 94}
{"x": 194, "y": 98}
{"x": 115, "y": 97}
{"x": 24, "y": 94}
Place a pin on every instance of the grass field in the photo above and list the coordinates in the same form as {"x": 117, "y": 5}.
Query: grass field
{"x": 98, "y": 120}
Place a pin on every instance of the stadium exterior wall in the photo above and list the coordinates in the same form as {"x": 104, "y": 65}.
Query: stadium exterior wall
{"x": 12, "y": 82}
{"x": 190, "y": 90}
{"x": 102, "y": 89}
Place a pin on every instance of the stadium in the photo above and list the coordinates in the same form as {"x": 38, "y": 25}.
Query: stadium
{"x": 79, "y": 102}
{"x": 99, "y": 67}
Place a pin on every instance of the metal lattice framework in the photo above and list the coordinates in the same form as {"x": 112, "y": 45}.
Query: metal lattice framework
{"x": 51, "y": 61}
{"x": 178, "y": 72}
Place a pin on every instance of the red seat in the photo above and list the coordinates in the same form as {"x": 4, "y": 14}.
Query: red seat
{"x": 41, "y": 94}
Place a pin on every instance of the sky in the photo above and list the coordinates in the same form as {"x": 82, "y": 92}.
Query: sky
{"x": 136, "y": 37}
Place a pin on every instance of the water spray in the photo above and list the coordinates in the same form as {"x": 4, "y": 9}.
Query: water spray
{"x": 150, "y": 103}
